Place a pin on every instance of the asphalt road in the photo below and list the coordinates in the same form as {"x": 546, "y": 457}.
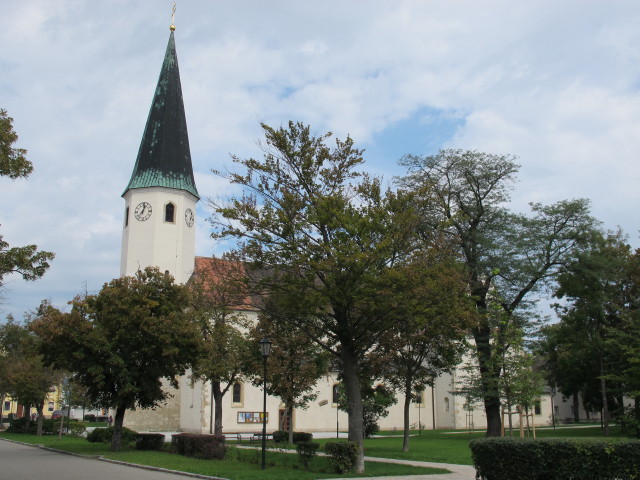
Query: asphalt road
{"x": 22, "y": 462}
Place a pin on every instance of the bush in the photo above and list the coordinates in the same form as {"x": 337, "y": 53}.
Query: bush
{"x": 209, "y": 447}
{"x": 280, "y": 436}
{"x": 104, "y": 435}
{"x": 302, "y": 437}
{"x": 150, "y": 441}
{"x": 555, "y": 459}
{"x": 306, "y": 451}
{"x": 90, "y": 417}
{"x": 49, "y": 426}
{"x": 75, "y": 429}
{"x": 342, "y": 456}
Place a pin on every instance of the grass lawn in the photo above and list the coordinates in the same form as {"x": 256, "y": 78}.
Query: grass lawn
{"x": 240, "y": 464}
{"x": 445, "y": 447}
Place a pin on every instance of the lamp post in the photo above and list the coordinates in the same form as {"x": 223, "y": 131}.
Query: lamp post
{"x": 265, "y": 349}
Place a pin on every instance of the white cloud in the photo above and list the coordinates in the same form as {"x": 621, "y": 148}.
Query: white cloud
{"x": 556, "y": 83}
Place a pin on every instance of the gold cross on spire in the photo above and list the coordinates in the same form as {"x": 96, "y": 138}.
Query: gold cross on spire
{"x": 173, "y": 17}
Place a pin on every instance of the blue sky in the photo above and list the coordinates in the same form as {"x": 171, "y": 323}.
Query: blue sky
{"x": 554, "y": 83}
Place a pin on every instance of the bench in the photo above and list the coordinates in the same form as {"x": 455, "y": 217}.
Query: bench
{"x": 248, "y": 436}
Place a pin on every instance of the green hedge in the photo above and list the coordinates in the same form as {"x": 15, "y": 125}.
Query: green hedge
{"x": 342, "y": 456}
{"x": 555, "y": 459}
{"x": 209, "y": 447}
{"x": 280, "y": 436}
{"x": 149, "y": 441}
{"x": 104, "y": 435}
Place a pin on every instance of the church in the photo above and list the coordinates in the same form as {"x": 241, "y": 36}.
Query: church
{"x": 159, "y": 230}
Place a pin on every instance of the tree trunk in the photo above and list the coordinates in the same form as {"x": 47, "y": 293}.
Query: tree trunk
{"x": 218, "y": 395}
{"x": 40, "y": 408}
{"x": 289, "y": 414}
{"x": 27, "y": 424}
{"x": 605, "y": 403}
{"x": 576, "y": 408}
{"x": 117, "y": 429}
{"x": 407, "y": 406}
{"x": 354, "y": 401}
{"x": 488, "y": 378}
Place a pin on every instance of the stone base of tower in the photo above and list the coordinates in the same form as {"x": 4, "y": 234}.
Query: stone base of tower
{"x": 164, "y": 418}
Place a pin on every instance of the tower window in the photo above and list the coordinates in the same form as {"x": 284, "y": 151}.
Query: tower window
{"x": 335, "y": 394}
{"x": 169, "y": 213}
{"x": 126, "y": 216}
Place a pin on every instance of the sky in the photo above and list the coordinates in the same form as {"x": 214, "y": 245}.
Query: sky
{"x": 556, "y": 84}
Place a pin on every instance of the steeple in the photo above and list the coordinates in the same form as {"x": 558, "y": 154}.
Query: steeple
{"x": 164, "y": 158}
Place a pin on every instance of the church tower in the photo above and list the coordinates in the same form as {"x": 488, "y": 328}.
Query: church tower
{"x": 161, "y": 197}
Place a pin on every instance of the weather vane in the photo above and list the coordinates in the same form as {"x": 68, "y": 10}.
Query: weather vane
{"x": 173, "y": 17}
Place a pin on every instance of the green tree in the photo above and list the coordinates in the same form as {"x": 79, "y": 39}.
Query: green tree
{"x": 216, "y": 294}
{"x": 595, "y": 288}
{"x": 431, "y": 313}
{"x": 29, "y": 380}
{"x": 13, "y": 161}
{"x": 295, "y": 365}
{"x": 26, "y": 261}
{"x": 318, "y": 234}
{"x": 121, "y": 343}
{"x": 507, "y": 256}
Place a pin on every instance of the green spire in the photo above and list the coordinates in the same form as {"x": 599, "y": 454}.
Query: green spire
{"x": 164, "y": 158}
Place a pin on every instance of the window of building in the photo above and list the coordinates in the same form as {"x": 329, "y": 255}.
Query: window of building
{"x": 537, "y": 409}
{"x": 51, "y": 407}
{"x": 237, "y": 393}
{"x": 7, "y": 405}
{"x": 169, "y": 213}
{"x": 420, "y": 398}
{"x": 335, "y": 394}
{"x": 126, "y": 216}
{"x": 446, "y": 404}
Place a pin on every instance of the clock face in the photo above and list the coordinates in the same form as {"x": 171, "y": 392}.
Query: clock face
{"x": 143, "y": 211}
{"x": 188, "y": 217}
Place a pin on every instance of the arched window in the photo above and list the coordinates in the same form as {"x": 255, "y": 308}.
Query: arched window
{"x": 170, "y": 213}
{"x": 446, "y": 404}
{"x": 237, "y": 393}
{"x": 335, "y": 397}
{"x": 420, "y": 397}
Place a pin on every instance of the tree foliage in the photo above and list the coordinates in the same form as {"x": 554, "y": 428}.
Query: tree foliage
{"x": 26, "y": 261}
{"x": 25, "y": 377}
{"x": 121, "y": 343}
{"x": 295, "y": 364}
{"x": 431, "y": 313}
{"x": 13, "y": 161}
{"x": 599, "y": 303}
{"x": 507, "y": 256}
{"x": 216, "y": 293}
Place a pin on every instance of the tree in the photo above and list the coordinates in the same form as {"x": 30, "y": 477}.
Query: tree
{"x": 216, "y": 293}
{"x": 121, "y": 343}
{"x": 431, "y": 314}
{"x": 26, "y": 261}
{"x": 317, "y": 234}
{"x": 29, "y": 381}
{"x": 13, "y": 161}
{"x": 295, "y": 364}
{"x": 507, "y": 256}
{"x": 596, "y": 289}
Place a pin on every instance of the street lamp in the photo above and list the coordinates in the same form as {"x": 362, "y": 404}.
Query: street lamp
{"x": 265, "y": 349}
